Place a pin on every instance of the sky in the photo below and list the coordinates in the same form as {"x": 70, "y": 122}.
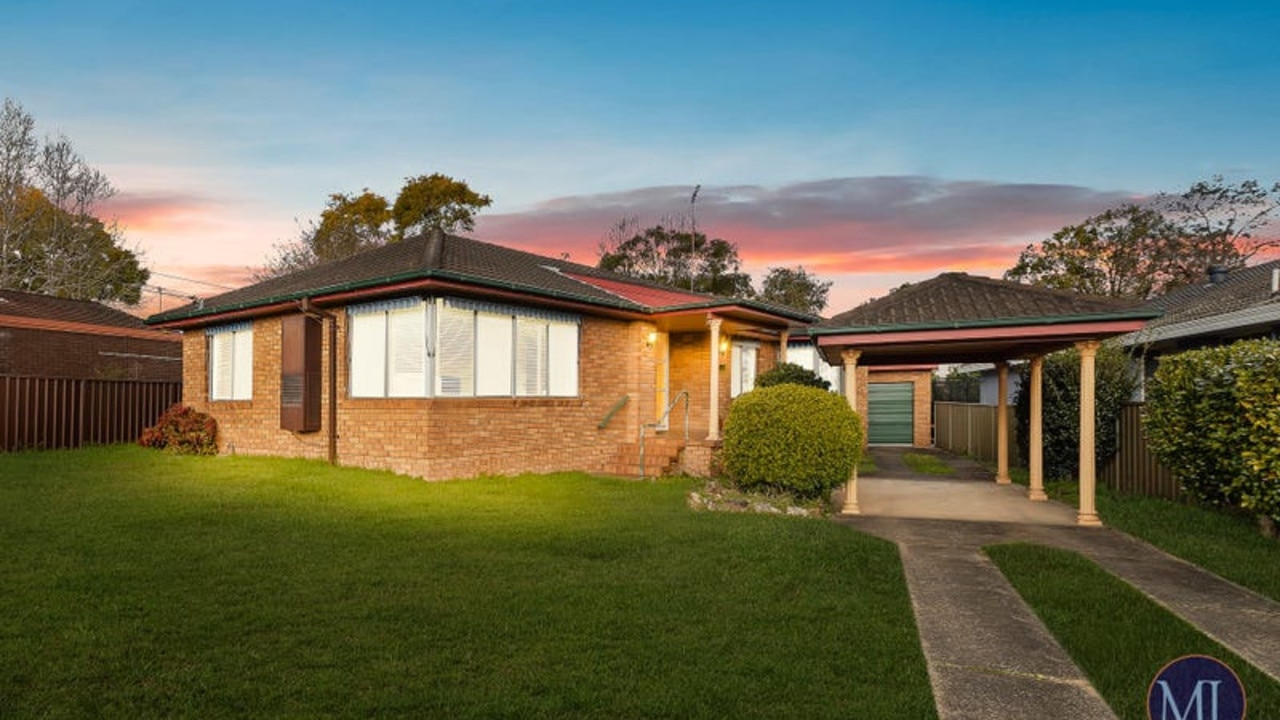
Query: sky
{"x": 873, "y": 143}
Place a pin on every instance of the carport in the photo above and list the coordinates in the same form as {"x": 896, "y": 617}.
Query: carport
{"x": 960, "y": 318}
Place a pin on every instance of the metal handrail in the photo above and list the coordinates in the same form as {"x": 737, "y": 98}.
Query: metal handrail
{"x": 613, "y": 411}
{"x": 666, "y": 415}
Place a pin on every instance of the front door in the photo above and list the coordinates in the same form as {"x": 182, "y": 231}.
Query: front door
{"x": 661, "y": 378}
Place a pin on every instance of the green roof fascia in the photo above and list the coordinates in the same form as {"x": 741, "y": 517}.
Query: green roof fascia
{"x": 386, "y": 280}
{"x": 993, "y": 323}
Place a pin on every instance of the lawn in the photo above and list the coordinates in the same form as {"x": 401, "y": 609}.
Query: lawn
{"x": 1117, "y": 636}
{"x": 141, "y": 584}
{"x": 926, "y": 464}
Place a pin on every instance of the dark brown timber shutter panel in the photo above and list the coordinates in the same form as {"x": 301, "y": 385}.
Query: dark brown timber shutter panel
{"x": 300, "y": 374}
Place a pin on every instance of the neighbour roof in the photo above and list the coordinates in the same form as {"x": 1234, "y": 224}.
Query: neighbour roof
{"x": 45, "y": 312}
{"x": 458, "y": 260}
{"x": 956, "y": 299}
{"x": 1243, "y": 300}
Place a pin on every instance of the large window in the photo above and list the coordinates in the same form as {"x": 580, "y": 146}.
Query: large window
{"x": 806, "y": 355}
{"x": 449, "y": 347}
{"x": 231, "y": 361}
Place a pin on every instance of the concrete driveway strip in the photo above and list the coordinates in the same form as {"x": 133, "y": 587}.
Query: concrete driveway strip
{"x": 1246, "y": 623}
{"x": 988, "y": 655}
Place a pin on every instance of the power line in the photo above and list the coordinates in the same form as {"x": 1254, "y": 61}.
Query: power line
{"x": 189, "y": 280}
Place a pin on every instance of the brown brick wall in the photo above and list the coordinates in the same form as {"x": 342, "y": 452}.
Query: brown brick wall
{"x": 450, "y": 437}
{"x": 45, "y": 353}
{"x": 922, "y": 431}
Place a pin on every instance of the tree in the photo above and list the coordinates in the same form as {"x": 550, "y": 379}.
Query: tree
{"x": 795, "y": 288}
{"x": 673, "y": 257}
{"x": 1222, "y": 224}
{"x": 50, "y": 240}
{"x": 350, "y": 224}
{"x": 435, "y": 201}
{"x": 1127, "y": 252}
{"x": 1060, "y": 409}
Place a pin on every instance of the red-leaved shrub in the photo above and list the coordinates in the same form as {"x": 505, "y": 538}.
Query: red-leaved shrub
{"x": 182, "y": 430}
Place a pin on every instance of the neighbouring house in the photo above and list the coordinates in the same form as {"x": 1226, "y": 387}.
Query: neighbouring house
{"x": 51, "y": 337}
{"x": 1228, "y": 306}
{"x": 445, "y": 357}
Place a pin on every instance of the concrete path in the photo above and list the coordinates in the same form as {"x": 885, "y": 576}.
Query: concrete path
{"x": 988, "y": 655}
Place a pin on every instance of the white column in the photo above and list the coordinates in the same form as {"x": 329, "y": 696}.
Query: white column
{"x": 713, "y": 433}
{"x": 1002, "y": 423}
{"x": 783, "y": 339}
{"x": 1035, "y": 462}
{"x": 850, "y": 358}
{"x": 1088, "y": 514}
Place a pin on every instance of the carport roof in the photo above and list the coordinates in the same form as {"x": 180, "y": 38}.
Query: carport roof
{"x": 957, "y": 317}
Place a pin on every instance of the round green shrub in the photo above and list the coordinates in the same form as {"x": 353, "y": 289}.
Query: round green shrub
{"x": 791, "y": 438}
{"x": 790, "y": 373}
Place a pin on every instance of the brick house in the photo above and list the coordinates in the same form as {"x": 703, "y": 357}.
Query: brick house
{"x": 50, "y": 337}
{"x": 444, "y": 357}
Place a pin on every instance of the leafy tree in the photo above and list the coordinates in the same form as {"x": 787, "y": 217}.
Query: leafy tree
{"x": 677, "y": 258}
{"x": 1222, "y": 223}
{"x": 51, "y": 242}
{"x": 1127, "y": 252}
{"x": 795, "y": 288}
{"x": 1060, "y": 403}
{"x": 433, "y": 201}
{"x": 350, "y": 224}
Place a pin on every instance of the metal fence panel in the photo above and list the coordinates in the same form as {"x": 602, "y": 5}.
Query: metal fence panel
{"x": 47, "y": 413}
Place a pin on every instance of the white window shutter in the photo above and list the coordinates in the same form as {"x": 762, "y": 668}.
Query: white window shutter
{"x": 494, "y": 354}
{"x": 562, "y": 359}
{"x": 407, "y": 352}
{"x": 455, "y": 352}
{"x": 531, "y": 357}
{"x": 242, "y": 366}
{"x": 221, "y": 355}
{"x": 368, "y": 355}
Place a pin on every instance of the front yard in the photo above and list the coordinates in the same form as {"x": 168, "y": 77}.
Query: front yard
{"x": 141, "y": 584}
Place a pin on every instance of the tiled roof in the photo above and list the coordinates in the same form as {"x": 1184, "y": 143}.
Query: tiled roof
{"x": 959, "y": 299}
{"x": 1243, "y": 288}
{"x": 47, "y": 307}
{"x": 1241, "y": 301}
{"x": 452, "y": 258}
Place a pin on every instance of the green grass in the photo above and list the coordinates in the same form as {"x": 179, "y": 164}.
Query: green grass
{"x": 1227, "y": 545}
{"x": 141, "y": 584}
{"x": 926, "y": 464}
{"x": 1118, "y": 637}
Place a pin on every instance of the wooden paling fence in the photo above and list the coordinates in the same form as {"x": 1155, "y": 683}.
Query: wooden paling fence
{"x": 1133, "y": 469}
{"x": 970, "y": 429}
{"x": 47, "y": 413}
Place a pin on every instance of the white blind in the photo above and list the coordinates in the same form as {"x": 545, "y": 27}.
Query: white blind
{"x": 221, "y": 356}
{"x": 494, "y": 354}
{"x": 368, "y": 355}
{"x": 407, "y": 352}
{"x": 455, "y": 364}
{"x": 562, "y": 359}
{"x": 742, "y": 372}
{"x": 242, "y": 366}
{"x": 531, "y": 357}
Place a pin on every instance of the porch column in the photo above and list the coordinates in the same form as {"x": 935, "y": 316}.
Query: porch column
{"x": 714, "y": 432}
{"x": 1088, "y": 514}
{"x": 1002, "y": 423}
{"x": 850, "y": 358}
{"x": 1035, "y": 462}
{"x": 783, "y": 339}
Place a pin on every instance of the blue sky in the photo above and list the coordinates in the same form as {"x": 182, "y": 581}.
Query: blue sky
{"x": 875, "y": 143}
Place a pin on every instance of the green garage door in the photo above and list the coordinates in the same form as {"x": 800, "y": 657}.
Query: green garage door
{"x": 889, "y": 408}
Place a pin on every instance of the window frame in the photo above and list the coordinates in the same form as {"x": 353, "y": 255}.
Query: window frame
{"x": 232, "y": 342}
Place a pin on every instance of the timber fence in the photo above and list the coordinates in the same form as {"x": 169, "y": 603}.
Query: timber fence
{"x": 48, "y": 413}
